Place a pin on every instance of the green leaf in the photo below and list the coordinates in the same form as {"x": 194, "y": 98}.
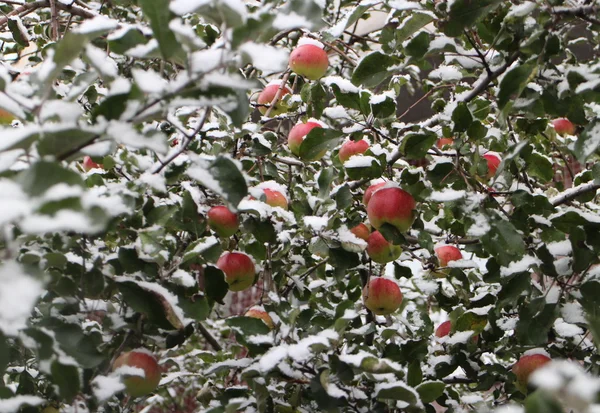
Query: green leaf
{"x": 64, "y": 141}
{"x": 462, "y": 117}
{"x": 431, "y": 390}
{"x": 18, "y": 31}
{"x": 223, "y": 177}
{"x": 414, "y": 376}
{"x": 392, "y": 234}
{"x": 504, "y": 242}
{"x": 215, "y": 286}
{"x": 375, "y": 170}
{"x": 67, "y": 50}
{"x": 464, "y": 13}
{"x": 540, "y": 167}
{"x": 372, "y": 69}
{"x": 535, "y": 321}
{"x": 343, "y": 197}
{"x": 542, "y": 402}
{"x": 418, "y": 46}
{"x": 588, "y": 142}
{"x": 326, "y": 177}
{"x": 130, "y": 38}
{"x": 411, "y": 24}
{"x": 66, "y": 377}
{"x": 416, "y": 145}
{"x": 72, "y": 340}
{"x": 316, "y": 103}
{"x": 514, "y": 83}
{"x": 318, "y": 141}
{"x": 42, "y": 175}
{"x": 398, "y": 391}
{"x": 4, "y": 354}
{"x": 160, "y": 16}
{"x": 196, "y": 307}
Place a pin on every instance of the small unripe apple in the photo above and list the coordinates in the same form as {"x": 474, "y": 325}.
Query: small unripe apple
{"x": 310, "y": 61}
{"x": 563, "y": 126}
{"x": 351, "y": 148}
{"x": 444, "y": 142}
{"x": 527, "y": 365}
{"x": 266, "y": 97}
{"x": 493, "y": 162}
{"x": 297, "y": 135}
{"x": 239, "y": 270}
{"x": 382, "y": 296}
{"x": 447, "y": 253}
{"x": 221, "y": 220}
{"x": 381, "y": 250}
{"x": 257, "y": 312}
{"x": 275, "y": 198}
{"x": 361, "y": 231}
{"x": 391, "y": 205}
{"x": 370, "y": 190}
{"x": 136, "y": 385}
{"x": 6, "y": 117}
{"x": 443, "y": 329}
{"x": 89, "y": 164}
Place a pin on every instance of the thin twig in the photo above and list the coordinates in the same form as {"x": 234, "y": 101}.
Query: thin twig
{"x": 209, "y": 337}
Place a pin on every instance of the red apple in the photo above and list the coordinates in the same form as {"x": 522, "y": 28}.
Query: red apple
{"x": 447, "y": 253}
{"x": 391, "y": 205}
{"x": 309, "y": 61}
{"x": 138, "y": 385}
{"x": 275, "y": 198}
{"x": 351, "y": 148}
{"x": 443, "y": 329}
{"x": 381, "y": 250}
{"x": 221, "y": 220}
{"x": 89, "y": 164}
{"x": 257, "y": 312}
{"x": 444, "y": 142}
{"x": 563, "y": 126}
{"x": 296, "y": 137}
{"x": 527, "y": 365}
{"x": 382, "y": 296}
{"x": 239, "y": 270}
{"x": 369, "y": 192}
{"x": 361, "y": 231}
{"x": 266, "y": 97}
{"x": 493, "y": 162}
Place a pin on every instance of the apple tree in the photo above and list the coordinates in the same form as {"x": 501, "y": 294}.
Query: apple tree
{"x": 300, "y": 205}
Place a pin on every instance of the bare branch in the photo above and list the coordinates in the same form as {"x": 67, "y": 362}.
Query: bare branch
{"x": 573, "y": 193}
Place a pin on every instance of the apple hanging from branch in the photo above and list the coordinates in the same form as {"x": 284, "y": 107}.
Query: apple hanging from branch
{"x": 221, "y": 220}
{"x": 239, "y": 270}
{"x": 382, "y": 296}
{"x": 147, "y": 381}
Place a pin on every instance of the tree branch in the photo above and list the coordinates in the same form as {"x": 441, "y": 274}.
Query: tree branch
{"x": 31, "y": 7}
{"x": 489, "y": 79}
{"x": 209, "y": 337}
{"x": 573, "y": 193}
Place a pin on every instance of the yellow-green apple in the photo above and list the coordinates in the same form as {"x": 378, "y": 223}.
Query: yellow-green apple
{"x": 221, "y": 220}
{"x": 442, "y": 142}
{"x": 393, "y": 206}
{"x": 563, "y": 126}
{"x": 6, "y": 117}
{"x": 361, "y": 231}
{"x": 382, "y": 296}
{"x": 381, "y": 250}
{"x": 351, "y": 148}
{"x": 89, "y": 164}
{"x": 493, "y": 162}
{"x": 143, "y": 381}
{"x": 443, "y": 329}
{"x": 260, "y": 313}
{"x": 239, "y": 270}
{"x": 275, "y": 198}
{"x": 266, "y": 97}
{"x": 447, "y": 253}
{"x": 309, "y": 60}
{"x": 526, "y": 365}
{"x": 297, "y": 135}
{"x": 369, "y": 192}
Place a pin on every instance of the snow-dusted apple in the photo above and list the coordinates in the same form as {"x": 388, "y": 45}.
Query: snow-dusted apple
{"x": 381, "y": 250}
{"x": 563, "y": 126}
{"x": 447, "y": 253}
{"x": 89, "y": 164}
{"x": 221, "y": 220}
{"x": 370, "y": 190}
{"x": 266, "y": 97}
{"x": 443, "y": 329}
{"x": 361, "y": 231}
{"x": 493, "y": 162}
{"x": 310, "y": 61}
{"x": 444, "y": 143}
{"x": 261, "y": 314}
{"x": 275, "y": 198}
{"x": 351, "y": 148}
{"x": 526, "y": 365}
{"x": 143, "y": 381}
{"x": 393, "y": 206}
{"x": 297, "y": 135}
{"x": 382, "y": 296}
{"x": 239, "y": 270}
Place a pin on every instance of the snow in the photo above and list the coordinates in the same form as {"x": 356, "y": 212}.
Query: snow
{"x": 232, "y": 364}
{"x": 360, "y": 161}
{"x": 560, "y": 247}
{"x": 265, "y": 58}
{"x": 316, "y": 223}
{"x": 405, "y": 5}
{"x": 460, "y": 337}
{"x": 63, "y": 220}
{"x": 446, "y": 73}
{"x": 103, "y": 63}
{"x": 520, "y": 266}
{"x": 336, "y": 112}
{"x": 565, "y": 329}
{"x": 290, "y": 21}
{"x": 126, "y": 134}
{"x": 573, "y": 313}
{"x": 205, "y": 61}
{"x": 447, "y": 195}
{"x": 149, "y": 81}
{"x": 13, "y": 404}
{"x": 104, "y": 387}
{"x": 183, "y": 278}
{"x": 99, "y": 23}
{"x": 480, "y": 226}
{"x": 521, "y": 10}
{"x": 14, "y": 203}
{"x": 591, "y": 144}
{"x": 343, "y": 84}
{"x": 309, "y": 40}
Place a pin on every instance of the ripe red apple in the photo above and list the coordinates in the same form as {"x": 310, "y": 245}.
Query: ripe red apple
{"x": 444, "y": 142}
{"x": 369, "y": 192}
{"x": 310, "y": 61}
{"x": 239, "y": 270}
{"x": 391, "y": 205}
{"x": 137, "y": 385}
{"x": 351, "y": 148}
{"x": 443, "y": 329}
{"x": 257, "y": 312}
{"x": 266, "y": 97}
{"x": 381, "y": 250}
{"x": 527, "y": 365}
{"x": 447, "y": 253}
{"x": 296, "y": 137}
{"x": 382, "y": 296}
{"x": 361, "y": 231}
{"x": 221, "y": 220}
{"x": 89, "y": 164}
{"x": 493, "y": 162}
{"x": 275, "y": 198}
{"x": 563, "y": 126}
